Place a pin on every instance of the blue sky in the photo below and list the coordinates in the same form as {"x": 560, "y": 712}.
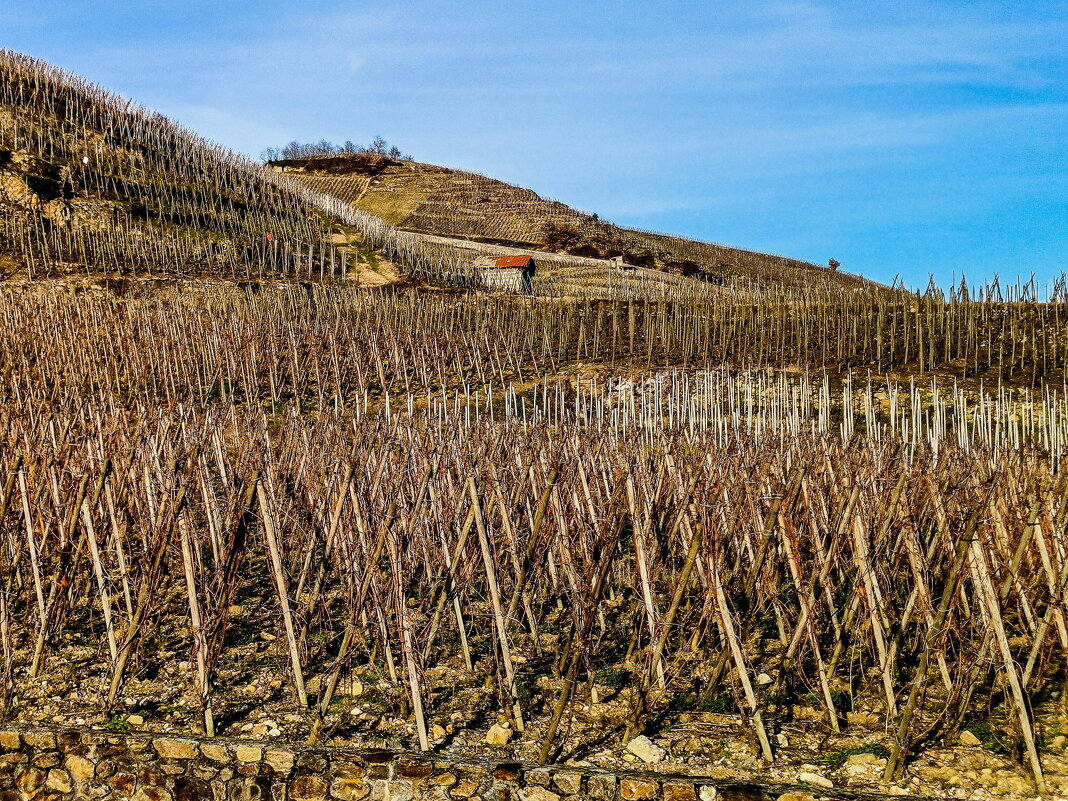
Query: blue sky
{"x": 902, "y": 138}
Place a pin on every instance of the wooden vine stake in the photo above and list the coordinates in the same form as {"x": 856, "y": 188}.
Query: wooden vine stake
{"x": 739, "y": 663}
{"x": 400, "y": 603}
{"x": 896, "y": 763}
{"x": 283, "y": 596}
{"x": 498, "y": 610}
{"x": 101, "y": 583}
{"x": 988, "y": 597}
{"x": 200, "y": 641}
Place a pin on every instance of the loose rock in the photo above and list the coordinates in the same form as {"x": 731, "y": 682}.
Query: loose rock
{"x": 816, "y": 779}
{"x": 646, "y": 750}
{"x": 465, "y": 789}
{"x": 498, "y": 735}
{"x": 967, "y": 738}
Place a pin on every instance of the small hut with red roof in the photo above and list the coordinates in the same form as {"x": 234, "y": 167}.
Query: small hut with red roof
{"x": 507, "y": 273}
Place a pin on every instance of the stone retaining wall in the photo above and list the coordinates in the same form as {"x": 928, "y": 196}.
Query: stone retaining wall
{"x": 68, "y": 764}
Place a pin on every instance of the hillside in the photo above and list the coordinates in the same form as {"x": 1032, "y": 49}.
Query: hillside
{"x": 90, "y": 180}
{"x": 763, "y": 529}
{"x": 428, "y": 199}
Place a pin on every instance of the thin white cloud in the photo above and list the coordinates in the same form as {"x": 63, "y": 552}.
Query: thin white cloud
{"x": 820, "y": 49}
{"x": 749, "y": 119}
{"x": 871, "y": 131}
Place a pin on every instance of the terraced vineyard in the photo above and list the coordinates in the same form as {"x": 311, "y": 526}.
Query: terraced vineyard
{"x": 770, "y": 517}
{"x": 427, "y": 199}
{"x": 435, "y": 494}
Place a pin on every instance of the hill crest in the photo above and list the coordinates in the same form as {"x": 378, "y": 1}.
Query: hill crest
{"x": 448, "y": 202}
